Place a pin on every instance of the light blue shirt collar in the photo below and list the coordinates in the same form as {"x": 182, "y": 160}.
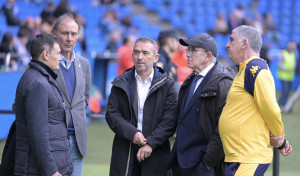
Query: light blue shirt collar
{"x": 64, "y": 61}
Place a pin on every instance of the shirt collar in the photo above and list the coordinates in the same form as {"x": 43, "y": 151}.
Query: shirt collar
{"x": 206, "y": 70}
{"x": 150, "y": 78}
{"x": 64, "y": 61}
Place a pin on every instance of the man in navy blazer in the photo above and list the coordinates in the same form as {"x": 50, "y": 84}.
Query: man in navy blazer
{"x": 74, "y": 79}
{"x": 198, "y": 148}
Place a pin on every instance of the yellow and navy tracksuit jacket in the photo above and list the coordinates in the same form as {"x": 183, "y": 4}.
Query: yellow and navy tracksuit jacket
{"x": 249, "y": 115}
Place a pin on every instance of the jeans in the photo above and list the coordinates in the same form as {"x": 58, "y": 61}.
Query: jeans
{"x": 286, "y": 89}
{"x": 77, "y": 158}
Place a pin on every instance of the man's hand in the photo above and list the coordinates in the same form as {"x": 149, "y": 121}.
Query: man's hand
{"x": 139, "y": 139}
{"x": 276, "y": 141}
{"x": 287, "y": 149}
{"x": 57, "y": 174}
{"x": 144, "y": 152}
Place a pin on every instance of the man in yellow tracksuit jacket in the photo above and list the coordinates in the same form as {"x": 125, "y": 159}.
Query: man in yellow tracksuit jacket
{"x": 251, "y": 117}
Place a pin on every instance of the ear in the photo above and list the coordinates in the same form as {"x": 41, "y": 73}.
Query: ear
{"x": 156, "y": 58}
{"x": 53, "y": 32}
{"x": 45, "y": 54}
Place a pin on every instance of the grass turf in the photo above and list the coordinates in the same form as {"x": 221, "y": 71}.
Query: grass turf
{"x": 100, "y": 139}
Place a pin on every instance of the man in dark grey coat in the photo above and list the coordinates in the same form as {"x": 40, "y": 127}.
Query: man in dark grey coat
{"x": 42, "y": 147}
{"x": 141, "y": 111}
{"x": 198, "y": 147}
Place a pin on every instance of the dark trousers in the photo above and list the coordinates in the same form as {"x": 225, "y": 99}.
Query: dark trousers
{"x": 285, "y": 91}
{"x": 199, "y": 169}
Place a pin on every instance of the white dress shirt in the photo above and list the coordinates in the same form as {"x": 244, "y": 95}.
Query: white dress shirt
{"x": 203, "y": 74}
{"x": 142, "y": 93}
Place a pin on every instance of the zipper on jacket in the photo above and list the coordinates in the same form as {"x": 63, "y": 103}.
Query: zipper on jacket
{"x": 157, "y": 83}
{"x": 128, "y": 159}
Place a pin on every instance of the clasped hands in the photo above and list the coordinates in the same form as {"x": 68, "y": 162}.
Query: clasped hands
{"x": 146, "y": 150}
{"x": 277, "y": 141}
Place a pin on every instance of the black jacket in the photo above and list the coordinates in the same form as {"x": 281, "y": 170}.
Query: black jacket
{"x": 42, "y": 147}
{"x": 210, "y": 105}
{"x": 159, "y": 122}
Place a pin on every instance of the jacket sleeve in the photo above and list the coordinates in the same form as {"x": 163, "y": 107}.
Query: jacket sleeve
{"x": 115, "y": 119}
{"x": 87, "y": 83}
{"x": 167, "y": 125}
{"x": 214, "y": 151}
{"x": 36, "y": 109}
{"x": 264, "y": 96}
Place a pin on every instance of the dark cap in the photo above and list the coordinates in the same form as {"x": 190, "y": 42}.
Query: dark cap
{"x": 202, "y": 40}
{"x": 168, "y": 33}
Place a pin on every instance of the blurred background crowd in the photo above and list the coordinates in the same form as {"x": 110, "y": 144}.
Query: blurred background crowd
{"x": 108, "y": 29}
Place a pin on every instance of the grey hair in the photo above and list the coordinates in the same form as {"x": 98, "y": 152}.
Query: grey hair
{"x": 68, "y": 16}
{"x": 252, "y": 35}
{"x": 146, "y": 39}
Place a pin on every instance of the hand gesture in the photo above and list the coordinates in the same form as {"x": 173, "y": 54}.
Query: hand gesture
{"x": 287, "y": 149}
{"x": 144, "y": 152}
{"x": 139, "y": 139}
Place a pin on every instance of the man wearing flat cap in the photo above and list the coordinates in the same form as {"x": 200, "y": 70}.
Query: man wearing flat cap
{"x": 168, "y": 44}
{"x": 198, "y": 149}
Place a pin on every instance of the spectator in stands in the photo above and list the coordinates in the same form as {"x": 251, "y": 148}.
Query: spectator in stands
{"x": 114, "y": 42}
{"x": 81, "y": 37}
{"x": 286, "y": 71}
{"x": 11, "y": 11}
{"x": 270, "y": 27}
{"x": 168, "y": 44}
{"x": 221, "y": 25}
{"x": 258, "y": 24}
{"x": 124, "y": 58}
{"x": 109, "y": 22}
{"x": 48, "y": 11}
{"x": 198, "y": 148}
{"x": 240, "y": 15}
{"x": 141, "y": 111}
{"x": 264, "y": 52}
{"x": 42, "y": 146}
{"x": 8, "y": 46}
{"x": 62, "y": 8}
{"x": 74, "y": 79}
{"x": 47, "y": 24}
{"x": 179, "y": 58}
{"x": 20, "y": 42}
{"x": 251, "y": 116}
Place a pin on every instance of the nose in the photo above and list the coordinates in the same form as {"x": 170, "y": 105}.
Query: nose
{"x": 69, "y": 37}
{"x": 227, "y": 45}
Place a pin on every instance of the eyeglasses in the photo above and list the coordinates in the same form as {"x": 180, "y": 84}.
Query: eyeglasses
{"x": 193, "y": 50}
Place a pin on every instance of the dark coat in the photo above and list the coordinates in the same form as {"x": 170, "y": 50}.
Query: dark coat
{"x": 210, "y": 105}
{"x": 159, "y": 122}
{"x": 42, "y": 147}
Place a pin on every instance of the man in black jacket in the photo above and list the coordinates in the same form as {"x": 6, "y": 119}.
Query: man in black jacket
{"x": 42, "y": 146}
{"x": 141, "y": 111}
{"x": 168, "y": 43}
{"x": 198, "y": 148}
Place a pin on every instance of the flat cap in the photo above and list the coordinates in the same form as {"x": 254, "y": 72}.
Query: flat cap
{"x": 202, "y": 40}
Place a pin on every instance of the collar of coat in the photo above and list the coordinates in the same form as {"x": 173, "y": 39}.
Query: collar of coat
{"x": 127, "y": 77}
{"x": 43, "y": 68}
{"x": 219, "y": 72}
